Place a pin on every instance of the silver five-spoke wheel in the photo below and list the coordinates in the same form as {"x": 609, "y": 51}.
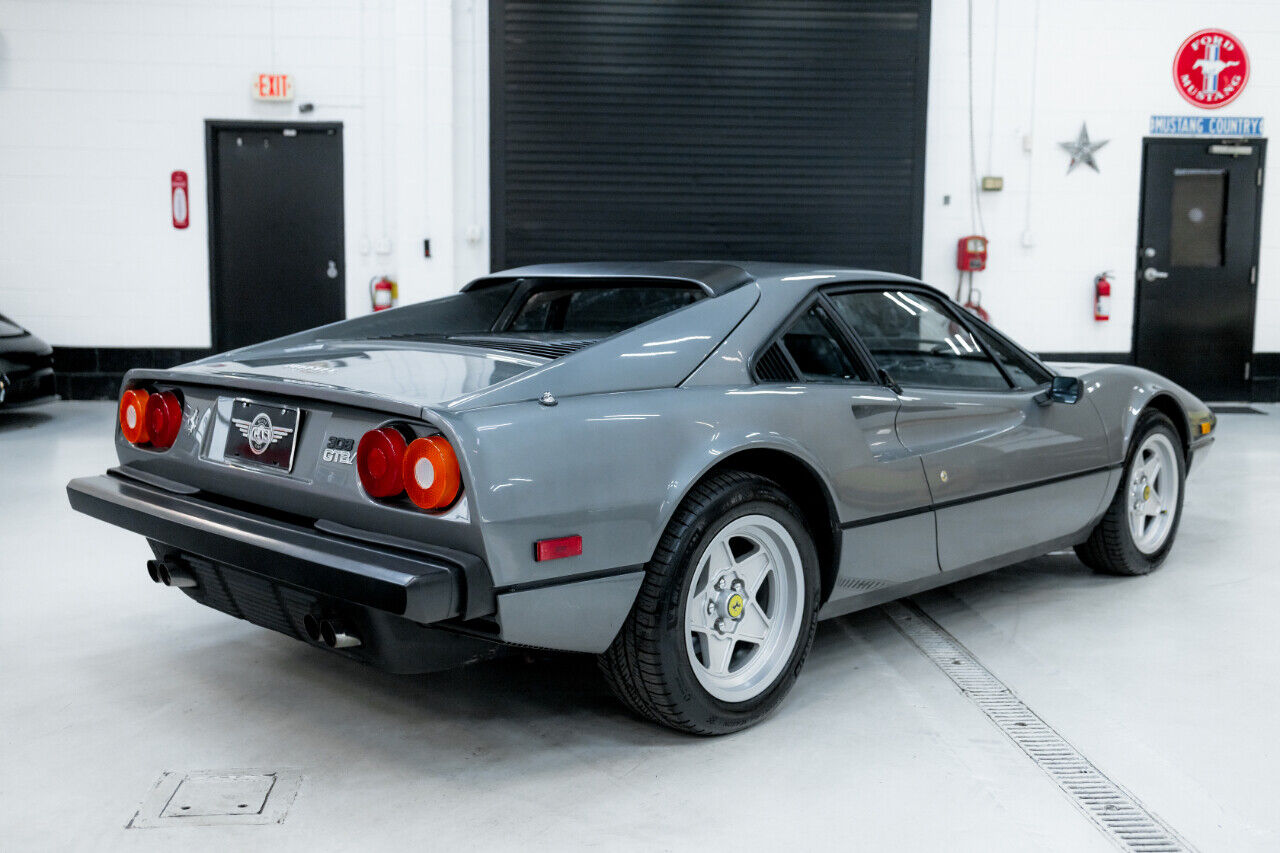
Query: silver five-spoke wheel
{"x": 1153, "y": 493}
{"x": 745, "y": 607}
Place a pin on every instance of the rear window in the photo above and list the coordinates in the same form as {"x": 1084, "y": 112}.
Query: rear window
{"x": 598, "y": 310}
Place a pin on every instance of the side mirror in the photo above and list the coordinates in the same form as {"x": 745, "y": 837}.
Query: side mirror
{"x": 1064, "y": 389}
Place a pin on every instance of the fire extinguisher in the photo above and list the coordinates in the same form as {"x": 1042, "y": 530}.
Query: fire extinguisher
{"x": 1102, "y": 297}
{"x": 382, "y": 292}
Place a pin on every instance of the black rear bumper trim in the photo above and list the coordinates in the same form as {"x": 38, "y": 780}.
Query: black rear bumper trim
{"x": 421, "y": 589}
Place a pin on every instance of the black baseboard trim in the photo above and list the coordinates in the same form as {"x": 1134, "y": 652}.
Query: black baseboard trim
{"x": 95, "y": 373}
{"x": 1090, "y": 357}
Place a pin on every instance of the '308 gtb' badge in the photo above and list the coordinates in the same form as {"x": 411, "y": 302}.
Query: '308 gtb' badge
{"x": 339, "y": 450}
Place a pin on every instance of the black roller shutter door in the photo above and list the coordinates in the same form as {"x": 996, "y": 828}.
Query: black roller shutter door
{"x": 757, "y": 129}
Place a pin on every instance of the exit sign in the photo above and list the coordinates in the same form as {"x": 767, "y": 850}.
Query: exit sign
{"x": 273, "y": 87}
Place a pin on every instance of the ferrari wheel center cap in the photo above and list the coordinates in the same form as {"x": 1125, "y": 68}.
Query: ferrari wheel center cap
{"x": 729, "y": 602}
{"x": 1146, "y": 493}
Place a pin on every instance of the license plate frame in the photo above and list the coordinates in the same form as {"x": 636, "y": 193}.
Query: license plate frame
{"x": 262, "y": 435}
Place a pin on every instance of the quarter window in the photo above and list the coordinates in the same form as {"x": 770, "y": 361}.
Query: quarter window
{"x": 917, "y": 341}
{"x": 816, "y": 350}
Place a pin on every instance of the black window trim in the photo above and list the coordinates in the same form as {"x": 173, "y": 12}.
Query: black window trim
{"x": 862, "y": 354}
{"x": 855, "y": 352}
{"x": 985, "y": 327}
{"x": 958, "y": 315}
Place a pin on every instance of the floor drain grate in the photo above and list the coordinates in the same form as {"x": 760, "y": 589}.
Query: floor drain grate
{"x": 1111, "y": 808}
{"x": 218, "y": 797}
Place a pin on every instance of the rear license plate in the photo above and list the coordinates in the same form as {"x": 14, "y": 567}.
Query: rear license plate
{"x": 262, "y": 435}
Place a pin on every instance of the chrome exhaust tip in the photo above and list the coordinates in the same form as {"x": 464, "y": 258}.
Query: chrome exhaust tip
{"x": 311, "y": 626}
{"x": 175, "y": 575}
{"x": 336, "y": 636}
{"x": 153, "y": 570}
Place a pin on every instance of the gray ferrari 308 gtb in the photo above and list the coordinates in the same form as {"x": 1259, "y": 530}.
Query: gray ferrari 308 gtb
{"x": 679, "y": 467}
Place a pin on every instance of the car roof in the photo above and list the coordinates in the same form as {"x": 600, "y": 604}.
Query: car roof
{"x": 713, "y": 277}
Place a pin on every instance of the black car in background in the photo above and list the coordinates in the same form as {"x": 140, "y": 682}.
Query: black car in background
{"x": 26, "y": 368}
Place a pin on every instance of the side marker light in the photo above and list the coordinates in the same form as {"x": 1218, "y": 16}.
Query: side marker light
{"x": 555, "y": 549}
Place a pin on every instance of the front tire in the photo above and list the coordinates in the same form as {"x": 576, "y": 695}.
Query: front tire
{"x": 1137, "y": 531}
{"x": 727, "y": 612}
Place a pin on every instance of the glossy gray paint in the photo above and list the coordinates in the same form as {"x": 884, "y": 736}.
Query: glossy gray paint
{"x": 538, "y": 616}
{"x": 639, "y": 419}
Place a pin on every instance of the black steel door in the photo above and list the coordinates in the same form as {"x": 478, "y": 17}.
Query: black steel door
{"x": 276, "y": 261}
{"x": 1197, "y": 263}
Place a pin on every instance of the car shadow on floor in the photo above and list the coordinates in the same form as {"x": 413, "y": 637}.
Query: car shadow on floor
{"x": 10, "y": 421}
{"x": 553, "y": 705}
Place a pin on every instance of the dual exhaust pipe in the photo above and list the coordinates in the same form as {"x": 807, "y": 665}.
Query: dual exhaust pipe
{"x": 333, "y": 632}
{"x": 171, "y": 575}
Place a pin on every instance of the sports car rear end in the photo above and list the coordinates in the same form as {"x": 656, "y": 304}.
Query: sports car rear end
{"x": 260, "y": 477}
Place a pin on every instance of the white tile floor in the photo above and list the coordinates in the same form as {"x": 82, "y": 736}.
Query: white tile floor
{"x": 1168, "y": 683}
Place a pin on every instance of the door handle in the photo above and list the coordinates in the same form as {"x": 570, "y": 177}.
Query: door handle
{"x": 1153, "y": 274}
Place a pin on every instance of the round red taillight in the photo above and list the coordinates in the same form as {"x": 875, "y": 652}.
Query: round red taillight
{"x": 378, "y": 462}
{"x": 164, "y": 418}
{"x": 133, "y": 415}
{"x": 431, "y": 474}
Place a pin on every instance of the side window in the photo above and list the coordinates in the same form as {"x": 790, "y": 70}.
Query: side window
{"x": 1025, "y": 372}
{"x": 916, "y": 340}
{"x": 816, "y": 349}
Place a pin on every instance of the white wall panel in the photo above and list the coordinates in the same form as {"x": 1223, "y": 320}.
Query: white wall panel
{"x": 1104, "y": 62}
{"x": 100, "y": 101}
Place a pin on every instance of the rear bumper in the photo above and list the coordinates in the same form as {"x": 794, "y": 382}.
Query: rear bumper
{"x": 417, "y": 586}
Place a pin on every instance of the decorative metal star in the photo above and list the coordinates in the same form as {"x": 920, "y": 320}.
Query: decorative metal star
{"x": 1081, "y": 149}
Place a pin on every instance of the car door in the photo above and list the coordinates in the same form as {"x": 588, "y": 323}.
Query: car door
{"x": 887, "y": 532}
{"x": 1008, "y": 472}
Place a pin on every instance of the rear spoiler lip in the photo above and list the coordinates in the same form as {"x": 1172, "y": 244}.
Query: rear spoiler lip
{"x": 288, "y": 388}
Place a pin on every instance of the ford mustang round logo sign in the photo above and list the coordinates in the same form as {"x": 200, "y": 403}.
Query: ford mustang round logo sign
{"x": 1211, "y": 68}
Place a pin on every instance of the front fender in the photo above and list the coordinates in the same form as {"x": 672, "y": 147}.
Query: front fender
{"x": 1121, "y": 393}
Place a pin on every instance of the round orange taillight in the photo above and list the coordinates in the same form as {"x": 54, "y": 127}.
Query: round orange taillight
{"x": 164, "y": 417}
{"x": 133, "y": 415}
{"x": 431, "y": 474}
{"x": 378, "y": 462}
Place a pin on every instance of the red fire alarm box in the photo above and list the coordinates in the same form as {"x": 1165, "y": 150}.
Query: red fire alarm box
{"x": 178, "y": 199}
{"x": 971, "y": 253}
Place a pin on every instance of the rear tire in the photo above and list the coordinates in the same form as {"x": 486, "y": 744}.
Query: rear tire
{"x": 727, "y": 611}
{"x": 1136, "y": 532}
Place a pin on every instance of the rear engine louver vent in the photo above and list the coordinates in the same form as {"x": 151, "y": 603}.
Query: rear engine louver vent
{"x": 546, "y": 349}
{"x": 774, "y": 367}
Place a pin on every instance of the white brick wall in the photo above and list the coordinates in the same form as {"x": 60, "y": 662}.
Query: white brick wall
{"x": 1105, "y": 62}
{"x": 100, "y": 101}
